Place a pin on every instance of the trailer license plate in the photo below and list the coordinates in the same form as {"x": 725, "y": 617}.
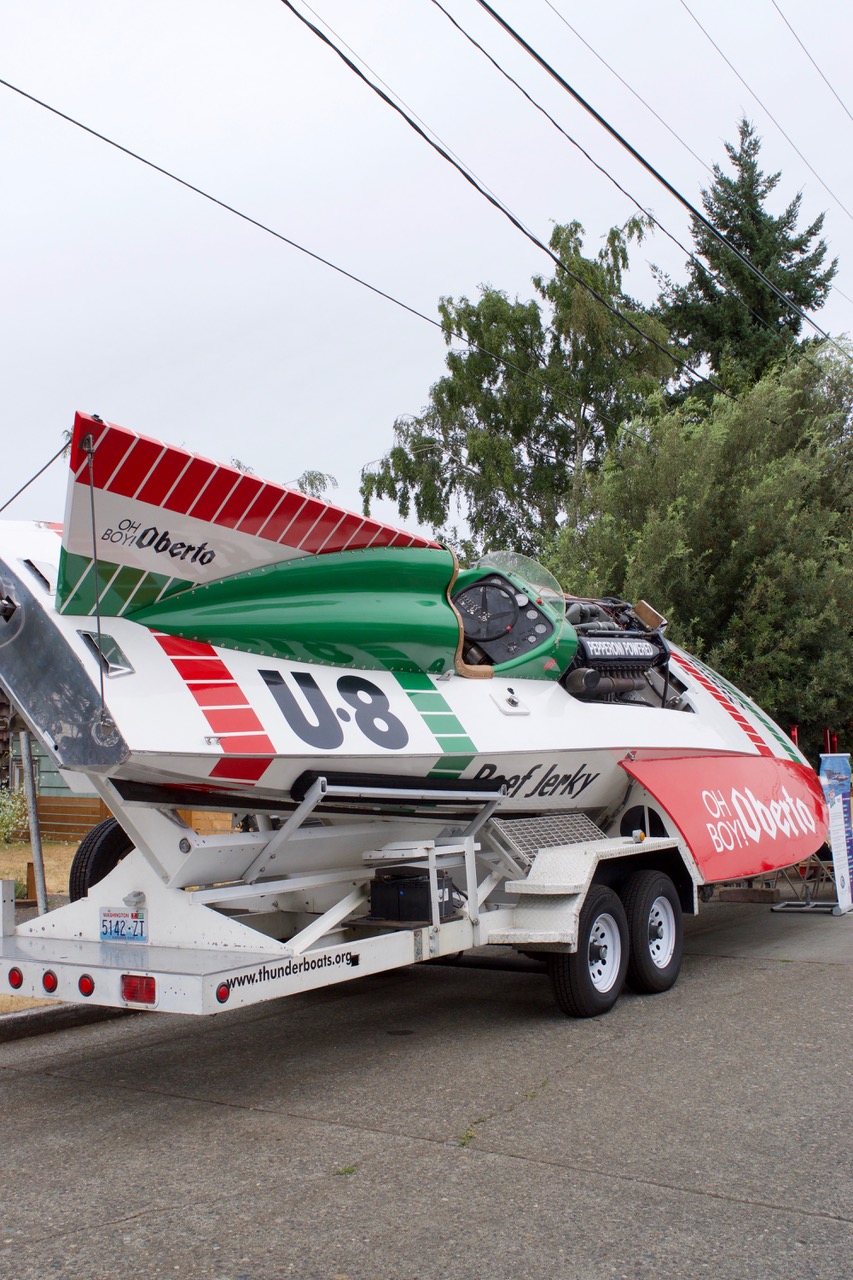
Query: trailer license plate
{"x": 124, "y": 926}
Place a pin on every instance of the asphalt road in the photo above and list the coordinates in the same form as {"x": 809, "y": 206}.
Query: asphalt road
{"x": 450, "y": 1124}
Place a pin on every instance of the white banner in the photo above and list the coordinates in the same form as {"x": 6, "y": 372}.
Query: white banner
{"x": 835, "y": 779}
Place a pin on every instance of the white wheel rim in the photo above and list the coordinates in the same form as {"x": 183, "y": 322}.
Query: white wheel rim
{"x": 661, "y": 932}
{"x": 605, "y": 952}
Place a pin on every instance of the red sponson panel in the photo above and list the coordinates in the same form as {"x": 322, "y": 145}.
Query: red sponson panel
{"x": 740, "y": 815}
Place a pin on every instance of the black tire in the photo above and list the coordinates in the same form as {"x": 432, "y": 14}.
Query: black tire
{"x": 587, "y": 982}
{"x": 655, "y": 931}
{"x": 98, "y": 853}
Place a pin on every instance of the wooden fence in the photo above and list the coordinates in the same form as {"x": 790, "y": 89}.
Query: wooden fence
{"x": 67, "y": 819}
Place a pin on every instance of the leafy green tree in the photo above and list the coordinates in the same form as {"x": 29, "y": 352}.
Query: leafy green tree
{"x": 528, "y": 403}
{"x": 724, "y": 313}
{"x": 315, "y": 483}
{"x": 736, "y": 521}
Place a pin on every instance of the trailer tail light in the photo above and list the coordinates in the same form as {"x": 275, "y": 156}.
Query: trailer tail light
{"x": 86, "y": 985}
{"x": 223, "y": 991}
{"x": 138, "y": 989}
{"x": 50, "y": 982}
{"x": 16, "y": 979}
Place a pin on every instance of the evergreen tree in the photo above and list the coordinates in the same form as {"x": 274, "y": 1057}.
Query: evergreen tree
{"x": 708, "y": 313}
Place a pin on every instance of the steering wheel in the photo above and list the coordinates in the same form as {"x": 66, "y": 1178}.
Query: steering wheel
{"x": 488, "y": 610}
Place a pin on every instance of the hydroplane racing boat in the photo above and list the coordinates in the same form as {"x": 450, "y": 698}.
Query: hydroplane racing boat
{"x": 195, "y": 638}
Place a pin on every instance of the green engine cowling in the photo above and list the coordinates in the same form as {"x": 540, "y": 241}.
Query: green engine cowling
{"x": 372, "y": 610}
{"x": 384, "y": 609}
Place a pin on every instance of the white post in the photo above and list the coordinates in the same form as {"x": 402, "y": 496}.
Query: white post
{"x": 32, "y": 811}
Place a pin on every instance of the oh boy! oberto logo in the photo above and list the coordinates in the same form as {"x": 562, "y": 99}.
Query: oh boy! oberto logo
{"x": 744, "y": 819}
{"x": 160, "y": 541}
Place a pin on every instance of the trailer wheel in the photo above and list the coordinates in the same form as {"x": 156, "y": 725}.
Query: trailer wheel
{"x": 99, "y": 853}
{"x": 587, "y": 982}
{"x": 655, "y": 931}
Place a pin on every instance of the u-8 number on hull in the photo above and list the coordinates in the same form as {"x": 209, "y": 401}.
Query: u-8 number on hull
{"x": 365, "y": 703}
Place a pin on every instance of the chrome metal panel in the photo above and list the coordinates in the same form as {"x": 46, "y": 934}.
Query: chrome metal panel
{"x": 48, "y": 683}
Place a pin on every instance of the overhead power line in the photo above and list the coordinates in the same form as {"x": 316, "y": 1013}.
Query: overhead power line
{"x": 649, "y": 167}
{"x": 205, "y": 195}
{"x": 326, "y": 262}
{"x": 697, "y": 262}
{"x": 624, "y": 82}
{"x": 387, "y": 86}
{"x": 811, "y": 59}
{"x": 500, "y": 206}
{"x": 767, "y": 110}
{"x": 834, "y": 286}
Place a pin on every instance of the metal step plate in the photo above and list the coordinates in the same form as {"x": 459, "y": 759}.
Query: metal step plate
{"x": 528, "y": 835}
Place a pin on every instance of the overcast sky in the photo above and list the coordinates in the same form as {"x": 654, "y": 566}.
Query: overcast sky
{"x": 125, "y": 295}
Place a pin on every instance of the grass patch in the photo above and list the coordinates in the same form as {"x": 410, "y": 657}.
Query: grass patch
{"x": 57, "y": 864}
{"x": 471, "y": 1132}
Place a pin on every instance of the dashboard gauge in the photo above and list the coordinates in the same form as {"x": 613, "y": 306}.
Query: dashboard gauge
{"x": 488, "y": 610}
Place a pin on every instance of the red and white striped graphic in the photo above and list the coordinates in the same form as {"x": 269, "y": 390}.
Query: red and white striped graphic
{"x": 722, "y": 698}
{"x": 141, "y": 469}
{"x": 164, "y": 511}
{"x": 248, "y": 751}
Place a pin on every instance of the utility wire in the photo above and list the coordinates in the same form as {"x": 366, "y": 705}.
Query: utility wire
{"x": 810, "y": 58}
{"x": 841, "y": 294}
{"x": 387, "y": 86}
{"x": 493, "y": 200}
{"x": 436, "y": 324}
{"x": 182, "y": 182}
{"x": 750, "y": 90}
{"x": 615, "y": 73}
{"x": 556, "y": 125}
{"x": 41, "y": 471}
{"x": 507, "y": 364}
{"x": 649, "y": 167}
{"x": 700, "y": 266}
{"x": 660, "y": 118}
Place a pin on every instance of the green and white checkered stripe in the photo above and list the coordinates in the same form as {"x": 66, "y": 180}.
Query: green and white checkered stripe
{"x": 442, "y": 722}
{"x": 116, "y": 589}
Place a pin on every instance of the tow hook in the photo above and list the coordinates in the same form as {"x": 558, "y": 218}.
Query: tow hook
{"x": 8, "y": 607}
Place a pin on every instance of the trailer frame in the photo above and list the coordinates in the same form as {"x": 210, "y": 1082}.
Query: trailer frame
{"x": 209, "y": 940}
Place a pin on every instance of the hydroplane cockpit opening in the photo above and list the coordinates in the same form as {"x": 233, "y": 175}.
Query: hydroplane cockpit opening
{"x": 512, "y": 613}
{"x": 515, "y": 619}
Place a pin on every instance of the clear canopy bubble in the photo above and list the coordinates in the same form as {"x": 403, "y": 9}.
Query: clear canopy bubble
{"x": 541, "y": 582}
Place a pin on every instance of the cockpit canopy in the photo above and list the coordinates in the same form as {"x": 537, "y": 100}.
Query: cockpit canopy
{"x": 513, "y": 616}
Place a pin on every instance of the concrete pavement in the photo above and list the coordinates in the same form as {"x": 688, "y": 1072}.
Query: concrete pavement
{"x": 449, "y": 1124}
